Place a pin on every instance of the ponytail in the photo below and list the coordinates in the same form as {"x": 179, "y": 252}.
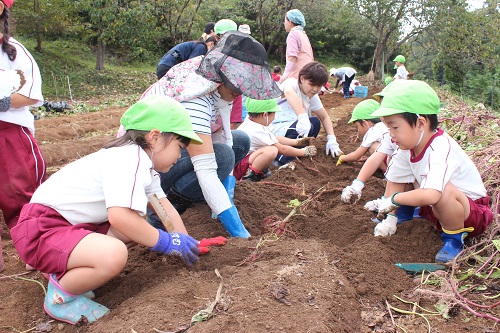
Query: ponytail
{"x": 7, "y": 48}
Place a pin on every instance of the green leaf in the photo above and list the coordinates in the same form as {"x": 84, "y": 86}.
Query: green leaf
{"x": 294, "y": 203}
{"x": 496, "y": 242}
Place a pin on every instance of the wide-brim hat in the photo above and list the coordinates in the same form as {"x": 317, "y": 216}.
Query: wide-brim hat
{"x": 241, "y": 63}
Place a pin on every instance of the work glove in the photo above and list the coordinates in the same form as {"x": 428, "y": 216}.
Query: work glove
{"x": 303, "y": 124}
{"x": 372, "y": 206}
{"x": 332, "y": 147}
{"x": 203, "y": 245}
{"x": 310, "y": 151}
{"x": 352, "y": 193}
{"x": 386, "y": 206}
{"x": 178, "y": 244}
{"x": 339, "y": 161}
{"x": 387, "y": 227}
{"x": 303, "y": 142}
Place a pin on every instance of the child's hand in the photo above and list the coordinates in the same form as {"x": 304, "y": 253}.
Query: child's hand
{"x": 352, "y": 193}
{"x": 387, "y": 227}
{"x": 310, "y": 151}
{"x": 178, "y": 245}
{"x": 386, "y": 206}
{"x": 339, "y": 161}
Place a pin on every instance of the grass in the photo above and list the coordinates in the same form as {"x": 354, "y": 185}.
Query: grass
{"x": 68, "y": 73}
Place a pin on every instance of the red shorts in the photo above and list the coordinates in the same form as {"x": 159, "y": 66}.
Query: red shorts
{"x": 480, "y": 216}
{"x": 44, "y": 239}
{"x": 241, "y": 168}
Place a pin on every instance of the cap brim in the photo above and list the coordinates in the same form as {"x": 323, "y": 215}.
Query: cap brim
{"x": 190, "y": 135}
{"x": 385, "y": 111}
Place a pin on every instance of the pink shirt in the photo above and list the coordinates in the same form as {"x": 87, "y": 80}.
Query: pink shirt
{"x": 297, "y": 45}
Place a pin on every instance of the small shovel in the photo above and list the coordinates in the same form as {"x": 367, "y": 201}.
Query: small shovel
{"x": 415, "y": 267}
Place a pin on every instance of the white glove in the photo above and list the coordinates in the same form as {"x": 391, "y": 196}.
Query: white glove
{"x": 386, "y": 206}
{"x": 352, "y": 193}
{"x": 309, "y": 151}
{"x": 303, "y": 124}
{"x": 387, "y": 227}
{"x": 332, "y": 147}
{"x": 372, "y": 206}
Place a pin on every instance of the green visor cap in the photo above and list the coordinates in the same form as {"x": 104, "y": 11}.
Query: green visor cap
{"x": 407, "y": 96}
{"x": 363, "y": 110}
{"x": 387, "y": 80}
{"x": 162, "y": 113}
{"x": 261, "y": 106}
{"x": 225, "y": 25}
{"x": 400, "y": 58}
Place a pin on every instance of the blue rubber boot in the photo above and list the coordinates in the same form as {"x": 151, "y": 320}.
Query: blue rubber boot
{"x": 231, "y": 221}
{"x": 63, "y": 306}
{"x": 229, "y": 184}
{"x": 453, "y": 244}
{"x": 407, "y": 213}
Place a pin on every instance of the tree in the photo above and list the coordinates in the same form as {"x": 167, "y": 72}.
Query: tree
{"x": 393, "y": 23}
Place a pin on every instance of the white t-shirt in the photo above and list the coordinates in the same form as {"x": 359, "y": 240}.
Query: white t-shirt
{"x": 374, "y": 134}
{"x": 32, "y": 88}
{"x": 287, "y": 116}
{"x": 401, "y": 71}
{"x": 115, "y": 177}
{"x": 442, "y": 161}
{"x": 260, "y": 136}
{"x": 387, "y": 146}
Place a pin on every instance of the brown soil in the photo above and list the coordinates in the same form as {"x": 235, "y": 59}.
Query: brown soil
{"x": 333, "y": 276}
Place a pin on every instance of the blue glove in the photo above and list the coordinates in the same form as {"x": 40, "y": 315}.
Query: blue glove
{"x": 231, "y": 221}
{"x": 178, "y": 245}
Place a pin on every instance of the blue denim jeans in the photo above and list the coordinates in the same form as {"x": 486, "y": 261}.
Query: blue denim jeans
{"x": 183, "y": 178}
{"x": 292, "y": 134}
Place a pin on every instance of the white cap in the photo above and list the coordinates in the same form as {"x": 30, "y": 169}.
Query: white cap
{"x": 333, "y": 71}
{"x": 245, "y": 28}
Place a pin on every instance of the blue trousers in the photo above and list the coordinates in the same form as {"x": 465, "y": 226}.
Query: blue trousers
{"x": 292, "y": 134}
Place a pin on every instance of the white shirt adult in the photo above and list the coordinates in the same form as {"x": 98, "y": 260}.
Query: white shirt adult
{"x": 31, "y": 92}
{"x": 288, "y": 116}
{"x": 441, "y": 161}
{"x": 113, "y": 177}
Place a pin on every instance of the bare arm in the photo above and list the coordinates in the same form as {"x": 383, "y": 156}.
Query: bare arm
{"x": 132, "y": 226}
{"x": 355, "y": 155}
{"x": 370, "y": 166}
{"x": 19, "y": 101}
{"x": 287, "y": 141}
{"x": 289, "y": 150}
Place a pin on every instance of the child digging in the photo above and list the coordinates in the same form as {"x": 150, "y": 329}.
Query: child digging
{"x": 369, "y": 128}
{"x": 79, "y": 223}
{"x": 447, "y": 185}
{"x": 264, "y": 145}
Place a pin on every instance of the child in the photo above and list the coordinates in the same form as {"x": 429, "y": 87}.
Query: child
{"x": 79, "y": 222}
{"x": 371, "y": 129}
{"x": 265, "y": 146}
{"x": 401, "y": 72}
{"x": 276, "y": 74}
{"x": 23, "y": 167}
{"x": 448, "y": 186}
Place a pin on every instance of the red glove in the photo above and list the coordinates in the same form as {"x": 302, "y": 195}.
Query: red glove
{"x": 216, "y": 241}
{"x": 203, "y": 249}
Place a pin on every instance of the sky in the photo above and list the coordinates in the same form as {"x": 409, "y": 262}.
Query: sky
{"x": 475, "y": 4}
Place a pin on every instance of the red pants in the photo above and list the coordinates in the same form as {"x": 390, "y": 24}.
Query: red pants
{"x": 22, "y": 170}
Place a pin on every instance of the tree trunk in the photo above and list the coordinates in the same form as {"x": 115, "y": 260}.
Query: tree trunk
{"x": 101, "y": 49}
{"x": 379, "y": 59}
{"x": 36, "y": 8}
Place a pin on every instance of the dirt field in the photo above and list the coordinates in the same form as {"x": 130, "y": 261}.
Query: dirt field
{"x": 327, "y": 274}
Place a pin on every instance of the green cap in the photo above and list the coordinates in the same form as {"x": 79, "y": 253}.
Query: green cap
{"x": 388, "y": 80}
{"x": 224, "y": 26}
{"x": 411, "y": 96}
{"x": 162, "y": 113}
{"x": 363, "y": 110}
{"x": 400, "y": 58}
{"x": 261, "y": 106}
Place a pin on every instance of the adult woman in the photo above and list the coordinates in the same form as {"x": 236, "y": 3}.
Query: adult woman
{"x": 300, "y": 97}
{"x": 23, "y": 168}
{"x": 206, "y": 86}
{"x": 298, "y": 48}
